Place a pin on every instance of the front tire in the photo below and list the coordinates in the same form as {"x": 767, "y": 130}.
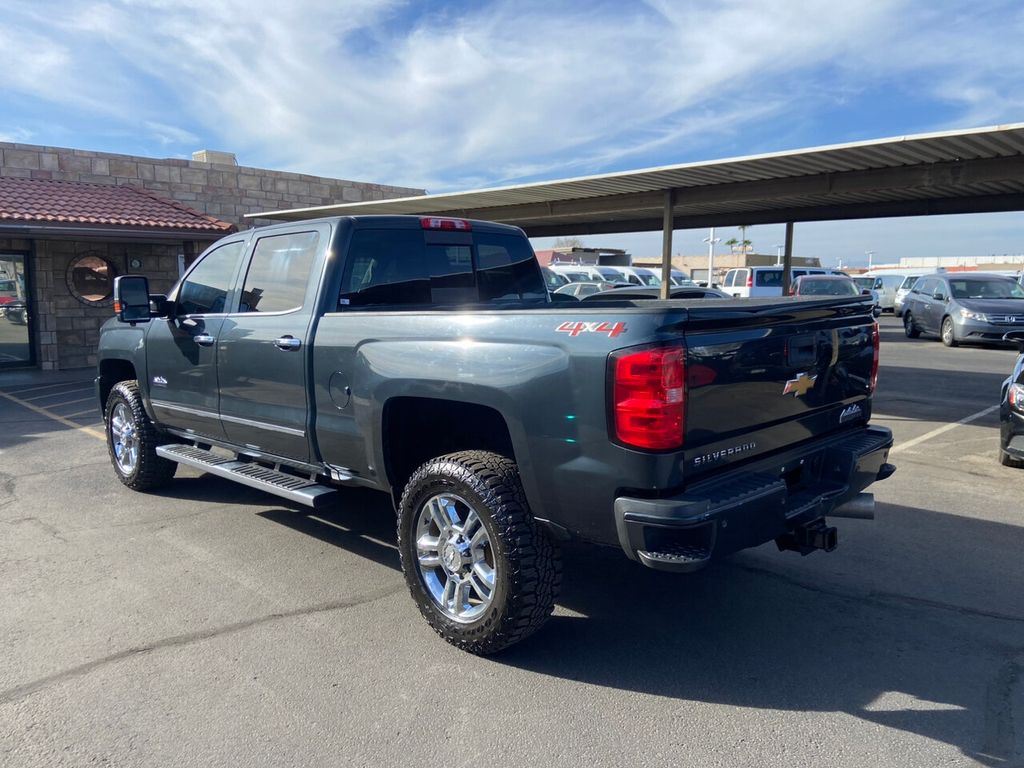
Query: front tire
{"x": 482, "y": 572}
{"x": 132, "y": 440}
{"x": 909, "y": 329}
{"x": 949, "y": 332}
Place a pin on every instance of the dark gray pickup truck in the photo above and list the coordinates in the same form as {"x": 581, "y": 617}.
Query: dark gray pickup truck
{"x": 425, "y": 358}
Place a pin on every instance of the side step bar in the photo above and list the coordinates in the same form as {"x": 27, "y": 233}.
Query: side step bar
{"x": 297, "y": 489}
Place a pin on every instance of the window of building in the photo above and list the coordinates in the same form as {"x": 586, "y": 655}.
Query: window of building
{"x": 279, "y": 272}
{"x": 90, "y": 278}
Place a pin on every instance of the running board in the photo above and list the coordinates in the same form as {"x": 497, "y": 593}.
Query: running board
{"x": 297, "y": 489}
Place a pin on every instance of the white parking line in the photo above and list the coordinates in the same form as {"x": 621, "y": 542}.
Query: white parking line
{"x": 56, "y": 394}
{"x": 943, "y": 429}
{"x": 32, "y": 387}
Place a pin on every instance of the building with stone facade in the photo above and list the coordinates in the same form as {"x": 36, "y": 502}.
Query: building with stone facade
{"x": 71, "y": 220}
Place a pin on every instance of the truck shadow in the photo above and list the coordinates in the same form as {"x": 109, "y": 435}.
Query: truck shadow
{"x": 744, "y": 634}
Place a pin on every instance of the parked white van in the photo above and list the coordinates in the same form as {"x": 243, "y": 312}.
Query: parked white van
{"x": 590, "y": 273}
{"x": 886, "y": 283}
{"x": 747, "y": 282}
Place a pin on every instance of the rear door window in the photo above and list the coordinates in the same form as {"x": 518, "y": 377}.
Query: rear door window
{"x": 278, "y": 272}
{"x": 768, "y": 278}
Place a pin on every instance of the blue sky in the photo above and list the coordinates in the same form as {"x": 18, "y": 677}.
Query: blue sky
{"x": 452, "y": 96}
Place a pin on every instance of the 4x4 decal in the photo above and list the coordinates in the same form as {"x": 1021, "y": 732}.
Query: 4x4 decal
{"x": 575, "y": 329}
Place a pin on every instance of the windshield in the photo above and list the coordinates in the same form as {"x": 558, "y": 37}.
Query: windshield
{"x": 995, "y": 288}
{"x": 828, "y": 288}
{"x": 865, "y": 282}
{"x": 908, "y": 282}
{"x": 647, "y": 277}
{"x": 577, "y": 277}
{"x": 612, "y": 275}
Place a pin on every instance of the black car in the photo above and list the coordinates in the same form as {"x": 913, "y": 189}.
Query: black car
{"x": 16, "y": 312}
{"x": 1011, "y": 410}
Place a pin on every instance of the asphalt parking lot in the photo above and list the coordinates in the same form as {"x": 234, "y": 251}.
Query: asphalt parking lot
{"x": 210, "y": 625}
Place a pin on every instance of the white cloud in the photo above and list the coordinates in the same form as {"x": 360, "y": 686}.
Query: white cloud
{"x": 495, "y": 92}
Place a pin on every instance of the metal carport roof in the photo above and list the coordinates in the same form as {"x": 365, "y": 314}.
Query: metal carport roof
{"x": 964, "y": 171}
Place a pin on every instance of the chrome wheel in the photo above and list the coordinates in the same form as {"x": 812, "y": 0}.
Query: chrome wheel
{"x": 124, "y": 437}
{"x": 454, "y": 557}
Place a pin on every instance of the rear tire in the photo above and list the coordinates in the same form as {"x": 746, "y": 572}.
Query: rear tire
{"x": 909, "y": 329}
{"x": 949, "y": 332}
{"x": 496, "y": 584}
{"x": 132, "y": 440}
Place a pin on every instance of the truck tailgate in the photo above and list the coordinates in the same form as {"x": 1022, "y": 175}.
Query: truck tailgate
{"x": 766, "y": 375}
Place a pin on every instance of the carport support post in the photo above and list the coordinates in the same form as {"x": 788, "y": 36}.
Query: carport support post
{"x": 787, "y": 260}
{"x": 666, "y": 244}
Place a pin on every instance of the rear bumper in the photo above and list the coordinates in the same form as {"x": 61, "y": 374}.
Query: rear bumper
{"x": 1011, "y": 432}
{"x": 754, "y": 504}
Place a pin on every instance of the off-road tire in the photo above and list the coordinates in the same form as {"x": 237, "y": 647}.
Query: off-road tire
{"x": 909, "y": 329}
{"x": 949, "y": 339}
{"x": 528, "y": 571}
{"x": 150, "y": 470}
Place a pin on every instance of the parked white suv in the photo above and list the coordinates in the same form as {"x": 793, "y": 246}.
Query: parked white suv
{"x": 747, "y": 282}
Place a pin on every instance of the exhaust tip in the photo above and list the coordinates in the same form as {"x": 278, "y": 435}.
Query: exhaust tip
{"x": 860, "y": 507}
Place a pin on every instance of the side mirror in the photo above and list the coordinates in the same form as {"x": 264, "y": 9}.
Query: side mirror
{"x": 865, "y": 292}
{"x": 1015, "y": 337}
{"x": 876, "y": 311}
{"x": 938, "y": 296}
{"x": 131, "y": 299}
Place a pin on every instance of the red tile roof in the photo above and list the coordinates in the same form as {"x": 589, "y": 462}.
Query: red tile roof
{"x": 50, "y": 202}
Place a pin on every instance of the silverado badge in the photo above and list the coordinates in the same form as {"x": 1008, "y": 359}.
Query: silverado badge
{"x": 800, "y": 384}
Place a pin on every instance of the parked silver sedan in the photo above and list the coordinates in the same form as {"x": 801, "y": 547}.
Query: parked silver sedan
{"x": 964, "y": 306}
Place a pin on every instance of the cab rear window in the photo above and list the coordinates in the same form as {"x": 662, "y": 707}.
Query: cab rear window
{"x": 389, "y": 267}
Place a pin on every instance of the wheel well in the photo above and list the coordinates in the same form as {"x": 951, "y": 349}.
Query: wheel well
{"x": 417, "y": 429}
{"x": 112, "y": 372}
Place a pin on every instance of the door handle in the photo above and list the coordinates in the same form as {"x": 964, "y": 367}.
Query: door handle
{"x": 203, "y": 339}
{"x": 287, "y": 343}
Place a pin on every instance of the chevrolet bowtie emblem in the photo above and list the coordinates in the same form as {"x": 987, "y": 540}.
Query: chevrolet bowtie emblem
{"x": 800, "y": 384}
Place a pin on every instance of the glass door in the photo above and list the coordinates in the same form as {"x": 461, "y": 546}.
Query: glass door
{"x": 15, "y": 311}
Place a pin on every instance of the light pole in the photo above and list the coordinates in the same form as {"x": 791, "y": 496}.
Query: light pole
{"x": 711, "y": 240}
{"x": 778, "y": 254}
{"x": 871, "y": 256}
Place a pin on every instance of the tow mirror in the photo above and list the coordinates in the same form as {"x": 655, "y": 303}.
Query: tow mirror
{"x": 1015, "y": 337}
{"x": 131, "y": 299}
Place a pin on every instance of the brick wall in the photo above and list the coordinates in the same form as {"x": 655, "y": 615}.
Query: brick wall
{"x": 225, "y": 191}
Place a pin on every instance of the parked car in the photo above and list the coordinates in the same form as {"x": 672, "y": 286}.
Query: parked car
{"x": 579, "y": 290}
{"x": 16, "y": 312}
{"x": 963, "y": 306}
{"x": 597, "y": 273}
{"x": 573, "y": 274}
{"x": 631, "y": 292}
{"x": 641, "y": 275}
{"x": 425, "y": 359}
{"x": 886, "y": 283}
{"x": 832, "y": 285}
{"x": 901, "y": 293}
{"x": 750, "y": 282}
{"x": 1011, "y": 409}
{"x": 552, "y": 279}
{"x": 826, "y": 285}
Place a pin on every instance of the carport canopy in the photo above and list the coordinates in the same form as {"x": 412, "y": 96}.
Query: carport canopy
{"x": 966, "y": 171}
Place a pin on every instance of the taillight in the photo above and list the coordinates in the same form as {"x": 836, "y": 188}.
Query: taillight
{"x": 649, "y": 397}
{"x": 875, "y": 344}
{"x": 750, "y": 280}
{"x": 434, "y": 222}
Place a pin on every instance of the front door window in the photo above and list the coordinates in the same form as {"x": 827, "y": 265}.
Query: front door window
{"x": 15, "y": 311}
